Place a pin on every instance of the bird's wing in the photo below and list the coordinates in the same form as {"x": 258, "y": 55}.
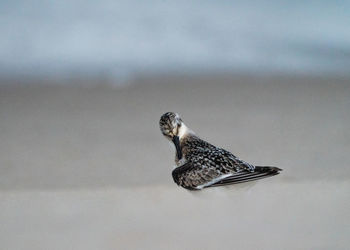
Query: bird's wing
{"x": 180, "y": 171}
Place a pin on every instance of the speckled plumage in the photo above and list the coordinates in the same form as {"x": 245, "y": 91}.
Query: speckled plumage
{"x": 203, "y": 164}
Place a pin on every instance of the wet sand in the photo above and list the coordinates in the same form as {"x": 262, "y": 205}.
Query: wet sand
{"x": 87, "y": 168}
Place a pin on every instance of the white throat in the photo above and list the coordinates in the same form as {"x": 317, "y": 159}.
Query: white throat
{"x": 184, "y": 130}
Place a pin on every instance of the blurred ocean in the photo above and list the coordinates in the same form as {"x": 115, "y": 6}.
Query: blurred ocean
{"x": 119, "y": 38}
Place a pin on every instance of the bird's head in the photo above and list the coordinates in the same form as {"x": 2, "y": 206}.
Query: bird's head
{"x": 170, "y": 125}
{"x": 173, "y": 128}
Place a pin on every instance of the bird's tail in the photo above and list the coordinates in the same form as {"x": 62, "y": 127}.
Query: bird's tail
{"x": 259, "y": 173}
{"x": 267, "y": 169}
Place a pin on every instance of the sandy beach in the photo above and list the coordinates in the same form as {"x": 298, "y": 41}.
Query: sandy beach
{"x": 86, "y": 167}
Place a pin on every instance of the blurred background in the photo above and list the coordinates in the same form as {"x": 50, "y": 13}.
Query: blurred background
{"x": 83, "y": 84}
{"x": 114, "y": 39}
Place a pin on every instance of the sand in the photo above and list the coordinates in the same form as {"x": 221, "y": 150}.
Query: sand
{"x": 87, "y": 168}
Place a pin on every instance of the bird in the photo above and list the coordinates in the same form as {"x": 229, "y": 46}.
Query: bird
{"x": 200, "y": 164}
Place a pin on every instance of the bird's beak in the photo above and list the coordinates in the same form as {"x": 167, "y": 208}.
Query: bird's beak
{"x": 176, "y": 141}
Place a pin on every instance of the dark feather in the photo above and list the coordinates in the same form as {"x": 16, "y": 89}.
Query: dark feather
{"x": 180, "y": 170}
{"x": 259, "y": 173}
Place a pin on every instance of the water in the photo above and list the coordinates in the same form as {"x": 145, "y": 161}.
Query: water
{"x": 118, "y": 38}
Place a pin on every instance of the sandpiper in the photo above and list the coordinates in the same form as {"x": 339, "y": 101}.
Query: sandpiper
{"x": 201, "y": 164}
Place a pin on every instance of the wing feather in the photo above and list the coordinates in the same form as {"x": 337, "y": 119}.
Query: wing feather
{"x": 240, "y": 178}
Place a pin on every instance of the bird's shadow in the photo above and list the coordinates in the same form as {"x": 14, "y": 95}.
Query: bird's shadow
{"x": 223, "y": 190}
